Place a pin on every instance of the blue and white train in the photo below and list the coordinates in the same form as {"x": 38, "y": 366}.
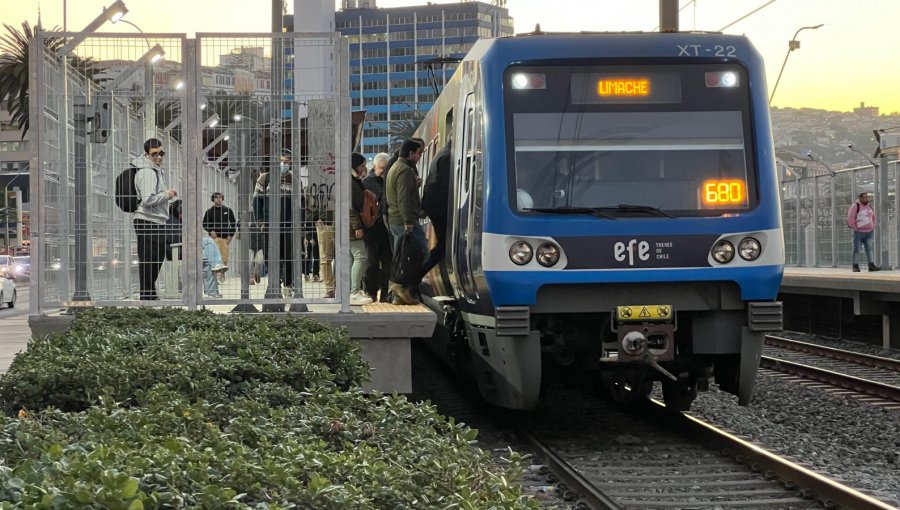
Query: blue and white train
{"x": 613, "y": 209}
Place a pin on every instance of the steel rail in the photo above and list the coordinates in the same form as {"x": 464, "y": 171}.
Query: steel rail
{"x": 590, "y": 495}
{"x": 849, "y": 382}
{"x": 830, "y": 352}
{"x": 823, "y": 489}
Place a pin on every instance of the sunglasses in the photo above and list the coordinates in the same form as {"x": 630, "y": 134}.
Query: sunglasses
{"x": 156, "y": 154}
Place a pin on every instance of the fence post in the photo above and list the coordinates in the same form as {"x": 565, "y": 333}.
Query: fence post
{"x": 191, "y": 141}
{"x": 79, "y": 114}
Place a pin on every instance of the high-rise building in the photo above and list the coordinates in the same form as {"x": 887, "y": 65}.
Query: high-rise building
{"x": 390, "y": 50}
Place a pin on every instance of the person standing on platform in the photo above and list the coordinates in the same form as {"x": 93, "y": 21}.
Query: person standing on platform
{"x": 405, "y": 210}
{"x": 861, "y": 218}
{"x": 151, "y": 215}
{"x": 378, "y": 239}
{"x": 359, "y": 257}
{"x": 221, "y": 224}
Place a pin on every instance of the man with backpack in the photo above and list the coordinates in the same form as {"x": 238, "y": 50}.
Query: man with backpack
{"x": 861, "y": 219}
{"x": 151, "y": 215}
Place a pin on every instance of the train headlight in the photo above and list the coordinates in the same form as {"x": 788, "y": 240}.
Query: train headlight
{"x": 547, "y": 254}
{"x": 723, "y": 252}
{"x": 749, "y": 249}
{"x": 520, "y": 253}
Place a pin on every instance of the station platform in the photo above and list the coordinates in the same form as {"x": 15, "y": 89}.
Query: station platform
{"x": 839, "y": 303}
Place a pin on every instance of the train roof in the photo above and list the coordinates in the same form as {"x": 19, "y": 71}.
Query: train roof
{"x": 539, "y": 45}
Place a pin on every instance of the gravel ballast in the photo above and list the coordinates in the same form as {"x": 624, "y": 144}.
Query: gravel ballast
{"x": 841, "y": 437}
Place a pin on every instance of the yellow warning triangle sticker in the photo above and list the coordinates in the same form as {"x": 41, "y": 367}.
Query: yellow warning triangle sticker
{"x": 644, "y": 313}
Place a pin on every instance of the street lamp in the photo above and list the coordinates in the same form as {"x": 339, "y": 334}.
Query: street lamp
{"x": 793, "y": 44}
{"x": 153, "y": 55}
{"x": 113, "y": 13}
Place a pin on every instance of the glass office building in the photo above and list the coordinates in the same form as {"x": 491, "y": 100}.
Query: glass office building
{"x": 390, "y": 52}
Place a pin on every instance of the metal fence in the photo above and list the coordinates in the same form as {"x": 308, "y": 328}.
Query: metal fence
{"x": 229, "y": 111}
{"x": 814, "y": 214}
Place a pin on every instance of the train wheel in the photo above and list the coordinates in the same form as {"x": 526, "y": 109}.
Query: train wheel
{"x": 629, "y": 389}
{"x": 678, "y": 396}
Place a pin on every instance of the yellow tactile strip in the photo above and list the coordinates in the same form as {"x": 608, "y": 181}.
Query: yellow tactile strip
{"x": 389, "y": 308}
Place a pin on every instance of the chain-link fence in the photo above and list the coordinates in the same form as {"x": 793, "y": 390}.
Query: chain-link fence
{"x": 814, "y": 213}
{"x": 204, "y": 122}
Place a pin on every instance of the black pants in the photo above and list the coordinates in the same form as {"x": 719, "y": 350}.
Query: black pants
{"x": 436, "y": 254}
{"x": 378, "y": 244}
{"x": 151, "y": 251}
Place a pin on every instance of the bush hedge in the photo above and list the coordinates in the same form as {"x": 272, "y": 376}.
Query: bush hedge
{"x": 116, "y": 351}
{"x": 175, "y": 409}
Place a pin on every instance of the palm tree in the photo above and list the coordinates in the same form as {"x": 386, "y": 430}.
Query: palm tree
{"x": 404, "y": 129}
{"x": 14, "y": 70}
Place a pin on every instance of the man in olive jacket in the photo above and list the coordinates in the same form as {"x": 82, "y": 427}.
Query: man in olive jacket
{"x": 405, "y": 207}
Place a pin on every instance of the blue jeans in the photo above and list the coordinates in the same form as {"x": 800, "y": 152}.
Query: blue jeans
{"x": 358, "y": 261}
{"x": 866, "y": 239}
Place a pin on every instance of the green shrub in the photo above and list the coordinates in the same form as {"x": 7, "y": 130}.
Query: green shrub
{"x": 116, "y": 352}
{"x": 340, "y": 450}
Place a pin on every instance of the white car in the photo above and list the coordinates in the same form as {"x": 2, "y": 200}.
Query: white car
{"x": 7, "y": 291}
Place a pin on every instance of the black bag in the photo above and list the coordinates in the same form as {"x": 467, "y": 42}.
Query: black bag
{"x": 406, "y": 267}
{"x": 127, "y": 197}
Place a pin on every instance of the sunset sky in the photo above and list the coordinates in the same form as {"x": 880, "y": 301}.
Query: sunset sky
{"x": 852, "y": 59}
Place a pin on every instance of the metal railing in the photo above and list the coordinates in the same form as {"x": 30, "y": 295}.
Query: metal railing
{"x": 228, "y": 109}
{"x": 814, "y": 214}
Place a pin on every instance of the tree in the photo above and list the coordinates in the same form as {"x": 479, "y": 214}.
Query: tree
{"x": 14, "y": 69}
{"x": 404, "y": 129}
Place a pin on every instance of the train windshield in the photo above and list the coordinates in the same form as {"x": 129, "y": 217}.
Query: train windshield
{"x": 672, "y": 140}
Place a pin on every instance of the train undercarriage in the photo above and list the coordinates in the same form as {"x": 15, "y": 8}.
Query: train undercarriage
{"x": 511, "y": 353}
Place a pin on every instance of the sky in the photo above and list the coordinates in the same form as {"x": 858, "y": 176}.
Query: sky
{"x": 850, "y": 60}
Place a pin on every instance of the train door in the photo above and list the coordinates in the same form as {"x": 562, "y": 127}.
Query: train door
{"x": 461, "y": 211}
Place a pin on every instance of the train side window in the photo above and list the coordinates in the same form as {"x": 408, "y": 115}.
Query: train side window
{"x": 469, "y": 133}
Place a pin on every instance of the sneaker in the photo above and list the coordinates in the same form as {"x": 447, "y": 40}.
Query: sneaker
{"x": 316, "y": 278}
{"x": 220, "y": 276}
{"x": 329, "y": 294}
{"x": 219, "y": 267}
{"x": 359, "y": 299}
{"x": 215, "y": 295}
{"x": 287, "y": 292}
{"x": 855, "y": 268}
{"x": 306, "y": 278}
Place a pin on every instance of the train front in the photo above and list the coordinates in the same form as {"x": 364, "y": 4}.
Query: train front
{"x": 637, "y": 212}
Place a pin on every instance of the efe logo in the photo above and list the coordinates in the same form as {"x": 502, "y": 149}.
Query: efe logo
{"x": 634, "y": 248}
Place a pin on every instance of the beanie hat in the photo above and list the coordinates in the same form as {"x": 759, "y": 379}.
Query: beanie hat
{"x": 356, "y": 159}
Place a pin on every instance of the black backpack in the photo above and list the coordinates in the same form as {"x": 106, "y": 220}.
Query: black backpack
{"x": 127, "y": 197}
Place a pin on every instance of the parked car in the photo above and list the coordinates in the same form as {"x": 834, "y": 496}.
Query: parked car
{"x": 7, "y": 291}
{"x": 21, "y": 268}
{"x": 6, "y": 265}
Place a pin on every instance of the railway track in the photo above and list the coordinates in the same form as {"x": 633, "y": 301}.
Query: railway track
{"x": 595, "y": 454}
{"x": 675, "y": 461}
{"x": 870, "y": 378}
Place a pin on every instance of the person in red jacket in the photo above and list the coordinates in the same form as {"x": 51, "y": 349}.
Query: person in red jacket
{"x": 861, "y": 218}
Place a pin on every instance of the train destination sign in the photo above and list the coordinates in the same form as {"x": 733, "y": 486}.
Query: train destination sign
{"x": 626, "y": 87}
{"x": 623, "y": 87}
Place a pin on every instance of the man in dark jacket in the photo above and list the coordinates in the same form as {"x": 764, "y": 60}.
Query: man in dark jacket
{"x": 378, "y": 239}
{"x": 405, "y": 208}
{"x": 435, "y": 202}
{"x": 221, "y": 224}
{"x": 359, "y": 258}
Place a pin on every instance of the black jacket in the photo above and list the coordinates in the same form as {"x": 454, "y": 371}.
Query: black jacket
{"x": 220, "y": 220}
{"x": 436, "y": 193}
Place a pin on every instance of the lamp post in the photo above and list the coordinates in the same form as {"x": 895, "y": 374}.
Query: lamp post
{"x": 81, "y": 228}
{"x": 793, "y": 44}
{"x": 813, "y": 156}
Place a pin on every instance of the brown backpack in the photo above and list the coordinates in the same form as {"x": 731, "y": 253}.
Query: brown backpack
{"x": 370, "y": 209}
